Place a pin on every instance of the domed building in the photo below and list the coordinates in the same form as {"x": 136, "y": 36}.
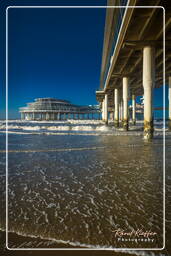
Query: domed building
{"x": 56, "y": 109}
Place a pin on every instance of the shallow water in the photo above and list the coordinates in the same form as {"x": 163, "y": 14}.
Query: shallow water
{"x": 78, "y": 189}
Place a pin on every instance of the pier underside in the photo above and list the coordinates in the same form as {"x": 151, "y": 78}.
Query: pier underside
{"x": 137, "y": 47}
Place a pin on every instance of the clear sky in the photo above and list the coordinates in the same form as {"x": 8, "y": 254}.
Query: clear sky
{"x": 52, "y": 53}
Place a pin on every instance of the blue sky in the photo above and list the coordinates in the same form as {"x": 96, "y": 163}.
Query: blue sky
{"x": 53, "y": 53}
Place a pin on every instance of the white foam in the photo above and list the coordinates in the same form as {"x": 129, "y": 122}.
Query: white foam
{"x": 78, "y": 244}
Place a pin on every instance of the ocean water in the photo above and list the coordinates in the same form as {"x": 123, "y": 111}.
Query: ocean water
{"x": 75, "y": 183}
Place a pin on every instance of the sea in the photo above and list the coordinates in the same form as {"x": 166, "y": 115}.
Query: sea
{"x": 82, "y": 184}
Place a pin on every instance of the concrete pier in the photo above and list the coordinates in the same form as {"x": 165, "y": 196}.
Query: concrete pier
{"x": 116, "y": 111}
{"x": 125, "y": 104}
{"x": 133, "y": 110}
{"x": 148, "y": 84}
{"x": 106, "y": 108}
{"x": 169, "y": 124}
{"x": 128, "y": 39}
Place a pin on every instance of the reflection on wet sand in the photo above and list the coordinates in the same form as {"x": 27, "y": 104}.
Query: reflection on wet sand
{"x": 75, "y": 191}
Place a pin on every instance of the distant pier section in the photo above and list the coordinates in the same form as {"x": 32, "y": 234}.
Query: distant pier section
{"x": 56, "y": 109}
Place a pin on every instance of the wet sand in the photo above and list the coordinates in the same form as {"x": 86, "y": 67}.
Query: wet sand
{"x": 18, "y": 240}
{"x": 107, "y": 160}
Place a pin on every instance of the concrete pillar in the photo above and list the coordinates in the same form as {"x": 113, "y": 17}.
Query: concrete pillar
{"x": 106, "y": 108}
{"x": 103, "y": 118}
{"x": 125, "y": 104}
{"x": 102, "y": 109}
{"x": 121, "y": 111}
{"x": 148, "y": 84}
{"x": 169, "y": 124}
{"x": 133, "y": 110}
{"x": 116, "y": 113}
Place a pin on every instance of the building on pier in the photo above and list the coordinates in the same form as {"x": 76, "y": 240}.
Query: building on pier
{"x": 132, "y": 59}
{"x": 56, "y": 109}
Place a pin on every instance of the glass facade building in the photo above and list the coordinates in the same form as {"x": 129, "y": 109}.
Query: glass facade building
{"x": 56, "y": 109}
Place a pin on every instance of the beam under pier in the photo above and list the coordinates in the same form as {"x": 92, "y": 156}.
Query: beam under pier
{"x": 148, "y": 84}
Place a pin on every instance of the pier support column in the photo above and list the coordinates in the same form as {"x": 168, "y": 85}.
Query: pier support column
{"x": 121, "y": 111}
{"x": 133, "y": 110}
{"x": 148, "y": 84}
{"x": 106, "y": 108}
{"x": 169, "y": 124}
{"x": 102, "y": 110}
{"x": 125, "y": 104}
{"x": 116, "y": 113}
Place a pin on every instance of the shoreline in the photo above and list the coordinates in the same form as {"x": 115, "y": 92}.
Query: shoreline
{"x": 19, "y": 239}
